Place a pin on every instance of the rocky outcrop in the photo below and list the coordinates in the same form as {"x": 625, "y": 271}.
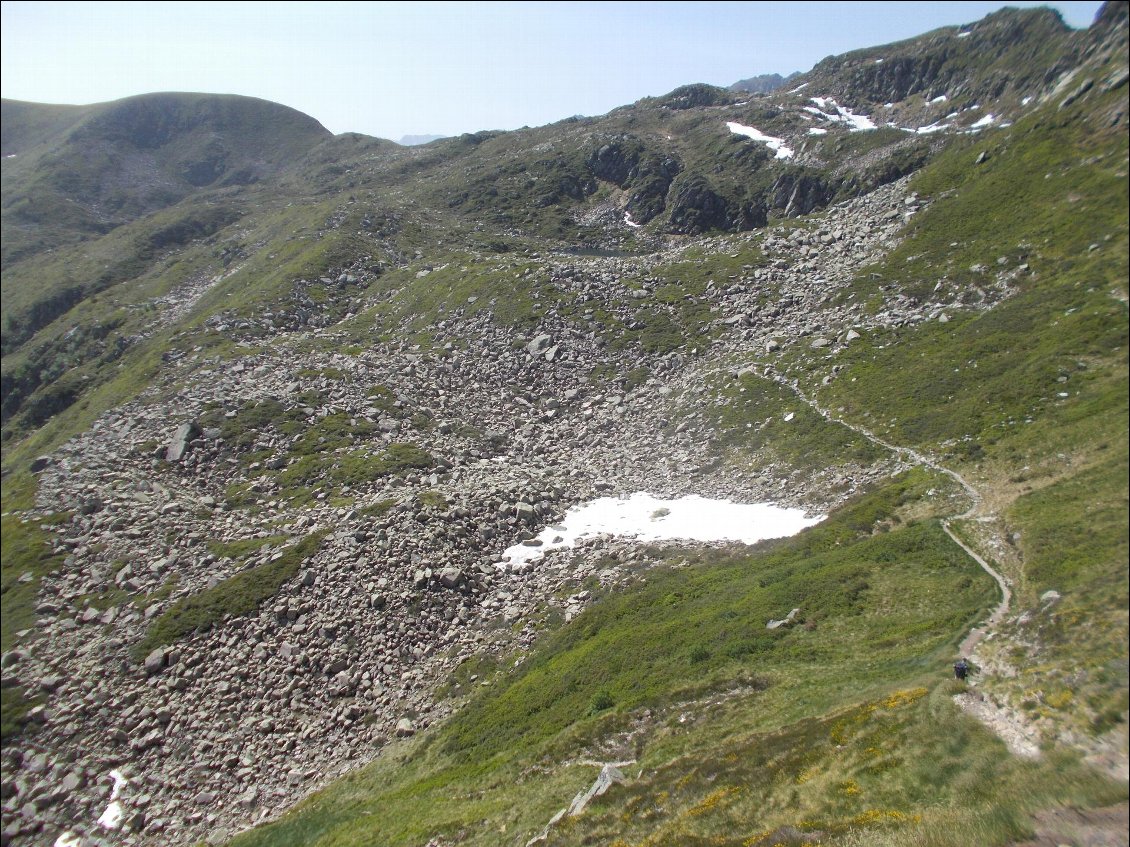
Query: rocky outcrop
{"x": 694, "y": 96}
{"x": 763, "y": 84}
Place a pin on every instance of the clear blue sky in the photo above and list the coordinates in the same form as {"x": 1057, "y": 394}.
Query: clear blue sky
{"x": 391, "y": 69}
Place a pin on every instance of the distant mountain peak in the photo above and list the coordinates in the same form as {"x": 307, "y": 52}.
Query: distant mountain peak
{"x": 764, "y": 83}
{"x": 414, "y": 140}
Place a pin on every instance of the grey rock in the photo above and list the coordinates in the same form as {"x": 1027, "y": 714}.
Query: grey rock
{"x": 155, "y": 661}
{"x": 609, "y": 776}
{"x": 788, "y": 619}
{"x": 405, "y": 728}
{"x": 178, "y": 444}
{"x": 450, "y": 577}
{"x": 539, "y": 344}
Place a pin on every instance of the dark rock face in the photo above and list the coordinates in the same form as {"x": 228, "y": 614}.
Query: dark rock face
{"x": 647, "y": 174}
{"x": 799, "y": 194}
{"x": 650, "y": 188}
{"x": 693, "y": 96}
{"x": 1011, "y": 49}
{"x": 613, "y": 162}
{"x": 696, "y": 207}
{"x": 763, "y": 84}
{"x": 898, "y": 78}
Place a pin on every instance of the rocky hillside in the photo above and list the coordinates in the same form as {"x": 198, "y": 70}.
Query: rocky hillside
{"x": 276, "y": 403}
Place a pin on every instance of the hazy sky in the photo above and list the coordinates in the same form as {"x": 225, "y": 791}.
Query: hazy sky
{"x": 391, "y": 69}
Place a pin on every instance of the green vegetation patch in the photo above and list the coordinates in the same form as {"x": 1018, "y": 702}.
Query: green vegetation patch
{"x": 242, "y": 429}
{"x": 1073, "y": 538}
{"x": 752, "y": 414}
{"x": 356, "y": 467}
{"x": 906, "y": 768}
{"x": 28, "y": 556}
{"x": 243, "y": 547}
{"x": 236, "y": 596}
{"x": 516, "y": 294}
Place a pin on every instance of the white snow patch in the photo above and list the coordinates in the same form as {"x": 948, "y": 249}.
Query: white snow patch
{"x": 932, "y": 128}
{"x": 776, "y": 144}
{"x": 941, "y": 98}
{"x": 112, "y": 817}
{"x": 800, "y": 87}
{"x": 628, "y": 220}
{"x": 842, "y": 115}
{"x": 649, "y": 518}
{"x": 964, "y": 34}
{"x": 984, "y": 122}
{"x": 815, "y": 130}
{"x": 1025, "y": 101}
{"x": 878, "y": 61}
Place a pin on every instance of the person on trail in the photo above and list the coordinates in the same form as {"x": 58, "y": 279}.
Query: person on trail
{"x": 960, "y": 669}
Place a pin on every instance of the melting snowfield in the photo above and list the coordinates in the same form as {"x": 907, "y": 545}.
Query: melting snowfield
{"x": 854, "y": 122}
{"x": 111, "y": 818}
{"x": 648, "y": 518}
{"x": 773, "y": 143}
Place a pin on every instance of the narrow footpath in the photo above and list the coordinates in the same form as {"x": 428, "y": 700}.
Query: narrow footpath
{"x": 1020, "y": 738}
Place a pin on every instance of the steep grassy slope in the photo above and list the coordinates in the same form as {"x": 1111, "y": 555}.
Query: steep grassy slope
{"x": 1031, "y": 396}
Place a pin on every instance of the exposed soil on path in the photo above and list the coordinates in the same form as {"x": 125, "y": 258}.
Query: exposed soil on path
{"x": 1105, "y": 827}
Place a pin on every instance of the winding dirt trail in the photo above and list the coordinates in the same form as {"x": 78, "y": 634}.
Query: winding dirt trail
{"x": 975, "y": 510}
{"x": 1020, "y": 739}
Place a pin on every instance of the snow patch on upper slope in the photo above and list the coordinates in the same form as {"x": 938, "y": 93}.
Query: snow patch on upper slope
{"x": 839, "y": 114}
{"x": 778, "y": 144}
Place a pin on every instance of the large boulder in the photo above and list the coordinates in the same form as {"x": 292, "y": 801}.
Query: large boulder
{"x": 178, "y": 444}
